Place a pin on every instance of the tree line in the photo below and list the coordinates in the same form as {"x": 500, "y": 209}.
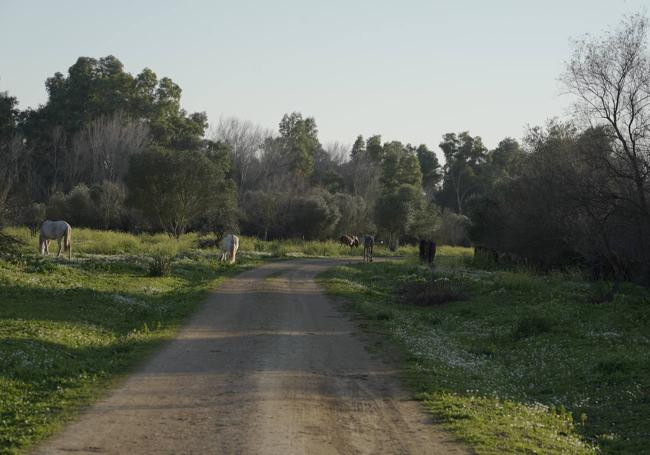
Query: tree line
{"x": 113, "y": 150}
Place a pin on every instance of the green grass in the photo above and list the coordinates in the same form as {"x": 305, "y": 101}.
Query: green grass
{"x": 90, "y": 241}
{"x": 69, "y": 328}
{"x": 526, "y": 364}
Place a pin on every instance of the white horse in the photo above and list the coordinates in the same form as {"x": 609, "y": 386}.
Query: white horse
{"x": 229, "y": 247}
{"x": 55, "y": 230}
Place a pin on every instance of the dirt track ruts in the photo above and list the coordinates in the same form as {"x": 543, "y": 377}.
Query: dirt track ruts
{"x": 267, "y": 365}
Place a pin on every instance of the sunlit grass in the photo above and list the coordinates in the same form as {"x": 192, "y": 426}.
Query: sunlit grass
{"x": 91, "y": 241}
{"x": 67, "y": 328}
{"x": 526, "y": 364}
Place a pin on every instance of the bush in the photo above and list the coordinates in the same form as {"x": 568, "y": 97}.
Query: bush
{"x": 453, "y": 229}
{"x": 9, "y": 245}
{"x": 431, "y": 292}
{"x": 33, "y": 216}
{"x": 161, "y": 264}
{"x": 531, "y": 326}
{"x": 109, "y": 204}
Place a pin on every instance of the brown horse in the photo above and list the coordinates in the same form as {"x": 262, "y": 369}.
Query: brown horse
{"x": 349, "y": 240}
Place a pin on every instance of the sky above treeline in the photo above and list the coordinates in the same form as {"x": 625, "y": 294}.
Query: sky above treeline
{"x": 408, "y": 70}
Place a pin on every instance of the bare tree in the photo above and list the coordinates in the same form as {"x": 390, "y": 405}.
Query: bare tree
{"x": 245, "y": 140}
{"x": 106, "y": 145}
{"x": 11, "y": 155}
{"x": 610, "y": 77}
{"x": 339, "y": 153}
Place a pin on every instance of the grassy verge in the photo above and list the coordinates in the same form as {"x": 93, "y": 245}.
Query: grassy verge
{"x": 524, "y": 363}
{"x": 68, "y": 328}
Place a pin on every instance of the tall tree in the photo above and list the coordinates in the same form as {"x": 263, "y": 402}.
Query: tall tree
{"x": 374, "y": 148}
{"x": 358, "y": 148}
{"x": 610, "y": 78}
{"x": 430, "y": 168}
{"x": 173, "y": 189}
{"x": 464, "y": 156}
{"x": 245, "y": 140}
{"x": 12, "y": 149}
{"x": 400, "y": 167}
{"x": 297, "y": 145}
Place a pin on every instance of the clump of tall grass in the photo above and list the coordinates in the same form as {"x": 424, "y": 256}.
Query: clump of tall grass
{"x": 10, "y": 246}
{"x": 531, "y": 326}
{"x": 430, "y": 292}
{"x": 161, "y": 262}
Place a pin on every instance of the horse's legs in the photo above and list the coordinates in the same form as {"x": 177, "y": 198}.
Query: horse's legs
{"x": 59, "y": 252}
{"x": 47, "y": 247}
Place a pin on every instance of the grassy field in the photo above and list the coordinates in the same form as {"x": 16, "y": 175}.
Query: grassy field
{"x": 90, "y": 241}
{"x": 68, "y": 328}
{"x": 523, "y": 363}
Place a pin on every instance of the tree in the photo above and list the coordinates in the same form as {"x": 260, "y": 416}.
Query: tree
{"x": 327, "y": 167}
{"x": 358, "y": 148}
{"x": 299, "y": 143}
{"x": 395, "y": 212}
{"x": 261, "y": 212}
{"x": 430, "y": 168}
{"x": 313, "y": 216}
{"x": 12, "y": 149}
{"x": 93, "y": 99}
{"x": 503, "y": 162}
{"x": 374, "y": 148}
{"x": 610, "y": 78}
{"x": 245, "y": 140}
{"x": 400, "y": 166}
{"x": 106, "y": 145}
{"x": 109, "y": 198}
{"x": 464, "y": 156}
{"x": 174, "y": 188}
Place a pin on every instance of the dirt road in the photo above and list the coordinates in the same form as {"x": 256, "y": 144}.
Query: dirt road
{"x": 267, "y": 366}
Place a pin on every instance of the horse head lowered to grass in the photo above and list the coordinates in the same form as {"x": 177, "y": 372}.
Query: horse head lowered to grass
{"x": 55, "y": 230}
{"x": 229, "y": 247}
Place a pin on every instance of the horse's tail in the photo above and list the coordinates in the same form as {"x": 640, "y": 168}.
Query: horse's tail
{"x": 67, "y": 239}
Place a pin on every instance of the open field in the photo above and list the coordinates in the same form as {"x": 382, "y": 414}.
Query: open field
{"x": 69, "y": 327}
{"x": 91, "y": 241}
{"x": 523, "y": 363}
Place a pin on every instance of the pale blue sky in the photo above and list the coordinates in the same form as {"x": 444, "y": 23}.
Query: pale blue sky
{"x": 408, "y": 70}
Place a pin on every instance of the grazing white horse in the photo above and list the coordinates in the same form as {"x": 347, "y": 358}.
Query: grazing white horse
{"x": 229, "y": 247}
{"x": 55, "y": 230}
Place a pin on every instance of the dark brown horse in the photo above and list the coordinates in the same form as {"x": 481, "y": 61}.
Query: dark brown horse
{"x": 368, "y": 246}
{"x": 349, "y": 240}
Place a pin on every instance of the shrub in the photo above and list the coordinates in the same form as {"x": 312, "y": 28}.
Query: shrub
{"x": 9, "y": 245}
{"x": 453, "y": 229}
{"x": 602, "y": 292}
{"x": 161, "y": 264}
{"x": 431, "y": 292}
{"x": 33, "y": 216}
{"x": 531, "y": 326}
